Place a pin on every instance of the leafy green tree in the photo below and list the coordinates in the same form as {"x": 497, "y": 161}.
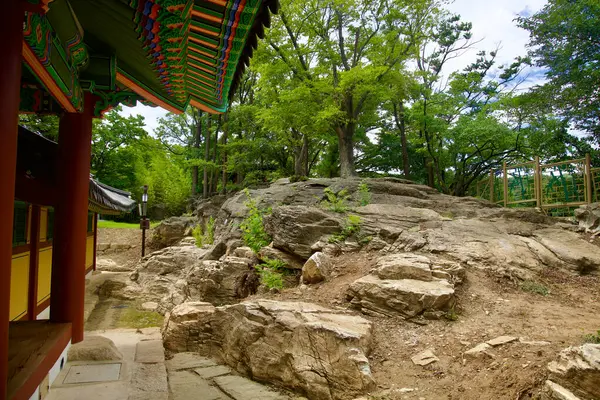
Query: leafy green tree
{"x": 565, "y": 42}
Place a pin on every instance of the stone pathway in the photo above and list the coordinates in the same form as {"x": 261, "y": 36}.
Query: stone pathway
{"x": 191, "y": 375}
{"x": 143, "y": 374}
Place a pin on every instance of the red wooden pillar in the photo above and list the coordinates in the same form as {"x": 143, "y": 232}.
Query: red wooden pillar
{"x": 70, "y": 218}
{"x": 95, "y": 238}
{"x": 11, "y": 32}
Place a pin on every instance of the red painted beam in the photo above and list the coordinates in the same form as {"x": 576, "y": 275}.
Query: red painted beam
{"x": 11, "y": 32}
{"x": 70, "y": 218}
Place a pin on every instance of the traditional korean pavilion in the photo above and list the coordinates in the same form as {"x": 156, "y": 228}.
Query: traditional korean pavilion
{"x": 78, "y": 59}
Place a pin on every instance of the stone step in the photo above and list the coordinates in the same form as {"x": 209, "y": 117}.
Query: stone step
{"x": 187, "y": 385}
{"x": 240, "y": 388}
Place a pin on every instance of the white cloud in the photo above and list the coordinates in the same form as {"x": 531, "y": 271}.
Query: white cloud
{"x": 493, "y": 24}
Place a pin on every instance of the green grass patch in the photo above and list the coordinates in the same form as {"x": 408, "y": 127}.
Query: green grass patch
{"x": 535, "y": 287}
{"x": 592, "y": 338}
{"x": 138, "y": 319}
{"x": 122, "y": 225}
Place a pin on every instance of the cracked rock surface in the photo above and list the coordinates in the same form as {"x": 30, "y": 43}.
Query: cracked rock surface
{"x": 304, "y": 347}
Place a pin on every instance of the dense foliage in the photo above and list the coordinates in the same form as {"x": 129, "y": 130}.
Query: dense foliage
{"x": 363, "y": 87}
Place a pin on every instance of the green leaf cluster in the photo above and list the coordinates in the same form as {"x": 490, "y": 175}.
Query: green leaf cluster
{"x": 252, "y": 227}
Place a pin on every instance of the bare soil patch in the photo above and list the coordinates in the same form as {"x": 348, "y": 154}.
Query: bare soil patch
{"x": 488, "y": 307}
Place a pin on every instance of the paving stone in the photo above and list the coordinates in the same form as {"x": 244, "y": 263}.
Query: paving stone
{"x": 149, "y": 396}
{"x": 150, "y": 351}
{"x": 186, "y": 385}
{"x": 189, "y": 360}
{"x": 241, "y": 388}
{"x": 149, "y": 378}
{"x": 93, "y": 373}
{"x": 500, "y": 340}
{"x": 211, "y": 372}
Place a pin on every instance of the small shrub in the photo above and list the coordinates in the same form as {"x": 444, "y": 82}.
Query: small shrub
{"x": 351, "y": 227}
{"x": 253, "y": 230}
{"x": 270, "y": 273}
{"x": 364, "y": 194}
{"x": 336, "y": 202}
{"x": 592, "y": 338}
{"x": 298, "y": 178}
{"x": 451, "y": 315}
{"x": 209, "y": 232}
{"x": 534, "y": 287}
{"x": 198, "y": 235}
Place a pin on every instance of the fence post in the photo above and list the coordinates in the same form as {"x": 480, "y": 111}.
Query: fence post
{"x": 537, "y": 180}
{"x": 505, "y": 184}
{"x": 492, "y": 199}
{"x": 588, "y": 178}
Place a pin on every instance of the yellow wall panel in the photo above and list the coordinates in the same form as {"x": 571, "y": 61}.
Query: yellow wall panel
{"x": 43, "y": 223}
{"x": 89, "y": 252}
{"x": 19, "y": 286}
{"x": 44, "y": 274}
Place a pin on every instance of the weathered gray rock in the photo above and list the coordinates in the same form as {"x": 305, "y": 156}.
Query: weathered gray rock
{"x": 291, "y": 261}
{"x": 295, "y": 229}
{"x": 94, "y": 348}
{"x": 307, "y": 348}
{"x": 578, "y": 370}
{"x": 553, "y": 391}
{"x": 501, "y": 340}
{"x": 171, "y": 231}
{"x": 316, "y": 269}
{"x": 588, "y": 217}
{"x": 481, "y": 350}
{"x": 404, "y": 266}
{"x": 424, "y": 358}
{"x": 404, "y": 297}
{"x": 582, "y": 256}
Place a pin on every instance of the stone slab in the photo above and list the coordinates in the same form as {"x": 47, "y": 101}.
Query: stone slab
{"x": 424, "y": 358}
{"x": 240, "y": 388}
{"x": 149, "y": 396}
{"x": 212, "y": 372}
{"x": 501, "y": 340}
{"x": 186, "y": 385}
{"x": 93, "y": 373}
{"x": 553, "y": 391}
{"x": 188, "y": 361}
{"x": 150, "y": 378}
{"x": 150, "y": 351}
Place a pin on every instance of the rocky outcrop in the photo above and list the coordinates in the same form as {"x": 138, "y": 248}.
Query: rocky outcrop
{"x": 295, "y": 229}
{"x": 270, "y": 253}
{"x": 307, "y": 348}
{"x": 576, "y": 372}
{"x": 405, "y": 285}
{"x": 171, "y": 231}
{"x": 177, "y": 274}
{"x": 588, "y": 217}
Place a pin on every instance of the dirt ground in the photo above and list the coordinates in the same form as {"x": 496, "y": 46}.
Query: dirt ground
{"x": 488, "y": 307}
{"x": 132, "y": 237}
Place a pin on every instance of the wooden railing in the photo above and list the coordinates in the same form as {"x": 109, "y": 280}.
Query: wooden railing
{"x": 563, "y": 184}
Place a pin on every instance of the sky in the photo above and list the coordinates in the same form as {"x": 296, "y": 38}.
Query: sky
{"x": 492, "y": 24}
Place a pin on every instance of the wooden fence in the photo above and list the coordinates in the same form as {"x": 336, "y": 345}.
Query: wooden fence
{"x": 553, "y": 186}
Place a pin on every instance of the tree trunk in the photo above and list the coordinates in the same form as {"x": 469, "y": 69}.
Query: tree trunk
{"x": 196, "y": 151}
{"x": 224, "y": 156}
{"x": 206, "y": 157}
{"x": 346, "y": 147}
{"x": 301, "y": 159}
{"x": 404, "y": 141}
{"x": 214, "y": 176}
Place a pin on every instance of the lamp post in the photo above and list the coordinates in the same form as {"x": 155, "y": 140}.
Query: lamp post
{"x": 144, "y": 223}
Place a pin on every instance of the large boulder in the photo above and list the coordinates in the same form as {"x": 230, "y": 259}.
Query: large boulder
{"x": 295, "y": 229}
{"x": 304, "y": 347}
{"x": 171, "y": 231}
{"x": 577, "y": 370}
{"x": 400, "y": 297}
{"x": 94, "y": 348}
{"x": 578, "y": 254}
{"x": 588, "y": 217}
